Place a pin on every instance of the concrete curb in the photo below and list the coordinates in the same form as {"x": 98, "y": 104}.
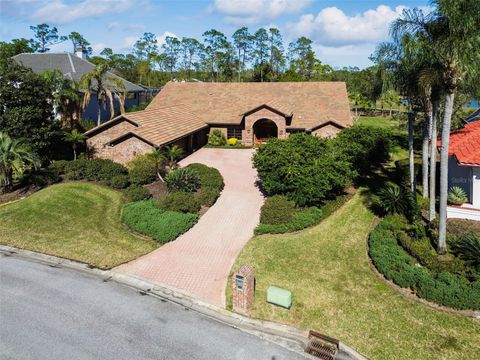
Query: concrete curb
{"x": 286, "y": 336}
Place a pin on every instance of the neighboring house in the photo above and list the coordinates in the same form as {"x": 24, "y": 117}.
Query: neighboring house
{"x": 464, "y": 170}
{"x": 74, "y": 67}
{"x": 184, "y": 113}
{"x": 475, "y": 116}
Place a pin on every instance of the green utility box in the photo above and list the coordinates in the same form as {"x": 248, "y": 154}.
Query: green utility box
{"x": 280, "y": 297}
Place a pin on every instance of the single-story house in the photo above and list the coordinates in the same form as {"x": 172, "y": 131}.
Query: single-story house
{"x": 75, "y": 67}
{"x": 184, "y": 114}
{"x": 464, "y": 170}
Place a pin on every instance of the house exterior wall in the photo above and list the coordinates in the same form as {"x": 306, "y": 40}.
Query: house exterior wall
{"x": 326, "y": 131}
{"x": 460, "y": 176}
{"x": 251, "y": 119}
{"x": 122, "y": 152}
{"x": 476, "y": 188}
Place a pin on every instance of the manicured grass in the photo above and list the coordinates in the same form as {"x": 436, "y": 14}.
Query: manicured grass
{"x": 78, "y": 221}
{"x": 336, "y": 292}
{"x": 380, "y": 122}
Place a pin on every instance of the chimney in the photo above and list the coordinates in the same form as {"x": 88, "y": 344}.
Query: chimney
{"x": 80, "y": 53}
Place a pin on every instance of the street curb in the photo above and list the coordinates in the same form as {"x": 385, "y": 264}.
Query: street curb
{"x": 286, "y": 336}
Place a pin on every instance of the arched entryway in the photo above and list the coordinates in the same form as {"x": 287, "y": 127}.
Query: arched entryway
{"x": 264, "y": 129}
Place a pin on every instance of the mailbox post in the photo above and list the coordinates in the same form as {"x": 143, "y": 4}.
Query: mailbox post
{"x": 243, "y": 289}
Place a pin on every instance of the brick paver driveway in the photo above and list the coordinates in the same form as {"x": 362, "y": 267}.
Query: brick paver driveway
{"x": 199, "y": 261}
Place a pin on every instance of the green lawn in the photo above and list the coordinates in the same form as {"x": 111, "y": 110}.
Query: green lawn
{"x": 380, "y": 122}
{"x": 335, "y": 292}
{"x": 78, "y": 221}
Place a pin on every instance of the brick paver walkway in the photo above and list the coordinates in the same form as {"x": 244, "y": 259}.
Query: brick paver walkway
{"x": 199, "y": 261}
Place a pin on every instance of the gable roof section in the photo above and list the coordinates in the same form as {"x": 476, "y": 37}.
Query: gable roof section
{"x": 70, "y": 65}
{"x": 475, "y": 116}
{"x": 465, "y": 144}
{"x": 310, "y": 103}
{"x": 157, "y": 127}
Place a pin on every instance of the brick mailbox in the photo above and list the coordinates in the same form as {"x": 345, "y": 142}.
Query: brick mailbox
{"x": 243, "y": 289}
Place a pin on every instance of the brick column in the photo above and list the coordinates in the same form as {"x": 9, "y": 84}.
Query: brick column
{"x": 243, "y": 289}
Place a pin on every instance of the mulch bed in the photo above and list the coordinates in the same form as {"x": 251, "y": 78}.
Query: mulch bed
{"x": 157, "y": 189}
{"x": 19, "y": 192}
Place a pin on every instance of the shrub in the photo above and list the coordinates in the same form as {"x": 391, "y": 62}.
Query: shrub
{"x": 216, "y": 138}
{"x": 142, "y": 170}
{"x": 94, "y": 170}
{"x": 304, "y": 217}
{"x": 136, "y": 193}
{"x": 468, "y": 248}
{"x": 42, "y": 177}
{"x": 457, "y": 196}
{"x": 120, "y": 181}
{"x": 183, "y": 179}
{"x": 390, "y": 200}
{"x": 456, "y": 228}
{"x": 276, "y": 210}
{"x": 58, "y": 166}
{"x": 364, "y": 147}
{"x": 232, "y": 141}
{"x": 209, "y": 177}
{"x": 397, "y": 265}
{"x": 303, "y": 167}
{"x": 163, "y": 226}
{"x": 179, "y": 201}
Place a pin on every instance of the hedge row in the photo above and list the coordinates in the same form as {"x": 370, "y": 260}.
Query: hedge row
{"x": 211, "y": 184}
{"x": 397, "y": 265}
{"x": 301, "y": 218}
{"x": 163, "y": 226}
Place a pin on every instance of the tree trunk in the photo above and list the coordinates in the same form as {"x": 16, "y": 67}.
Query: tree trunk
{"x": 74, "y": 146}
{"x": 447, "y": 121}
{"x": 99, "y": 112}
{"x": 411, "y": 160}
{"x": 433, "y": 163}
{"x": 425, "y": 147}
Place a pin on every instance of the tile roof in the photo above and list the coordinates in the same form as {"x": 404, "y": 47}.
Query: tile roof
{"x": 70, "y": 65}
{"x": 158, "y": 126}
{"x": 465, "y": 144}
{"x": 310, "y": 103}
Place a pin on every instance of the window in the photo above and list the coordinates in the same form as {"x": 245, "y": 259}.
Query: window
{"x": 234, "y": 133}
{"x": 131, "y": 96}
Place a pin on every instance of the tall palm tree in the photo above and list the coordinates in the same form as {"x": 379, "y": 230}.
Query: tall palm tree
{"x": 14, "y": 156}
{"x": 66, "y": 96}
{"x": 106, "y": 87}
{"x": 452, "y": 33}
{"x": 75, "y": 137}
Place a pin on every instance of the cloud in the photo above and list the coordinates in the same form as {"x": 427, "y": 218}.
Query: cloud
{"x": 113, "y": 25}
{"x": 345, "y": 56}
{"x": 60, "y": 12}
{"x": 332, "y": 27}
{"x": 98, "y": 47}
{"x": 240, "y": 12}
{"x": 135, "y": 27}
{"x": 129, "y": 41}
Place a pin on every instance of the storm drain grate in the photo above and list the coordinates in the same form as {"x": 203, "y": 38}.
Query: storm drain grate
{"x": 321, "y": 346}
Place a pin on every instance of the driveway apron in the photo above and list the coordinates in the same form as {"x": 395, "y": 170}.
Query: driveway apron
{"x": 198, "y": 262}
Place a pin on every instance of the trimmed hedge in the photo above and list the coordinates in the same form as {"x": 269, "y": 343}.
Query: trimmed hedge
{"x": 211, "y": 184}
{"x": 304, "y": 217}
{"x": 94, "y": 170}
{"x": 277, "y": 209}
{"x": 142, "y": 170}
{"x": 398, "y": 266}
{"x": 179, "y": 201}
{"x": 136, "y": 193}
{"x": 163, "y": 226}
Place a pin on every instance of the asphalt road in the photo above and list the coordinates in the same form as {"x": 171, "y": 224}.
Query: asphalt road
{"x": 54, "y": 313}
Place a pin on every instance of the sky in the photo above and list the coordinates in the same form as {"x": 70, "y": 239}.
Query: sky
{"x": 345, "y": 33}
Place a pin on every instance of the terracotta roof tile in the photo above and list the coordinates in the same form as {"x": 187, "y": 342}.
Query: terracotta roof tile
{"x": 465, "y": 144}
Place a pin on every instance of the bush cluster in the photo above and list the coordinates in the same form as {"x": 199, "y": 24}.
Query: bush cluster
{"x": 277, "y": 209}
{"x": 142, "y": 170}
{"x": 303, "y": 217}
{"x": 397, "y": 265}
{"x": 364, "y": 147}
{"x": 163, "y": 226}
{"x": 136, "y": 193}
{"x": 183, "y": 179}
{"x": 216, "y": 138}
{"x": 211, "y": 184}
{"x": 94, "y": 170}
{"x": 120, "y": 181}
{"x": 305, "y": 168}
{"x": 179, "y": 201}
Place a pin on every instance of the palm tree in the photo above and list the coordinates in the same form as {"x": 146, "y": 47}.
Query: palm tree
{"x": 14, "y": 156}
{"x": 106, "y": 87}
{"x": 159, "y": 158}
{"x": 66, "y": 96}
{"x": 75, "y": 137}
{"x": 172, "y": 154}
{"x": 452, "y": 34}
